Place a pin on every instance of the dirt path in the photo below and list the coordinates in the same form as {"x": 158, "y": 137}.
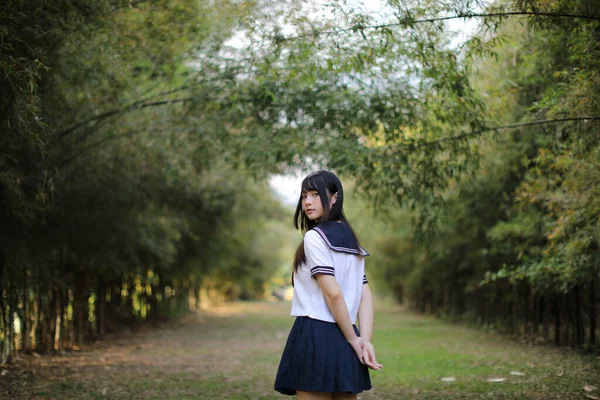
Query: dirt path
{"x": 232, "y": 352}
{"x": 168, "y": 361}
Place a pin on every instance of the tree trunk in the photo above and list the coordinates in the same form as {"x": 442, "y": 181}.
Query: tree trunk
{"x": 52, "y": 327}
{"x": 79, "y": 309}
{"x": 580, "y": 334}
{"x": 59, "y": 320}
{"x": 78, "y": 326}
{"x": 100, "y": 308}
{"x": 5, "y": 350}
{"x": 557, "y": 320}
{"x": 14, "y": 300}
{"x": 191, "y": 298}
{"x": 526, "y": 313}
{"x": 154, "y": 302}
{"x": 593, "y": 313}
{"x": 7, "y": 323}
{"x": 545, "y": 318}
{"x": 42, "y": 325}
{"x": 111, "y": 308}
{"x": 534, "y": 317}
{"x": 38, "y": 319}
{"x": 514, "y": 303}
{"x": 486, "y": 314}
{"x": 68, "y": 337}
{"x": 25, "y": 320}
{"x": 48, "y": 322}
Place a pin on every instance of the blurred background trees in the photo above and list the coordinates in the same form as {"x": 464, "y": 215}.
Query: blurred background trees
{"x": 138, "y": 138}
{"x": 119, "y": 199}
{"x": 517, "y": 245}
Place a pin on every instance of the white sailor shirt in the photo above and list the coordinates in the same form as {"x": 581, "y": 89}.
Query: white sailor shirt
{"x": 330, "y": 250}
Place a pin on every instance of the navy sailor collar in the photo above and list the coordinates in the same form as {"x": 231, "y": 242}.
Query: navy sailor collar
{"x": 338, "y": 237}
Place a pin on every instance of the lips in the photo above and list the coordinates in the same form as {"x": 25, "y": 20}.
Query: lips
{"x": 309, "y": 210}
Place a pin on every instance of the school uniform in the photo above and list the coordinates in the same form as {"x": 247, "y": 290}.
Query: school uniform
{"x": 317, "y": 357}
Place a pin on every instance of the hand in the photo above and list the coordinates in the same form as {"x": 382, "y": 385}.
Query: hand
{"x": 358, "y": 345}
{"x": 368, "y": 356}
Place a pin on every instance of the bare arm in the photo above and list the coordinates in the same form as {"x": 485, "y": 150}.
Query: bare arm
{"x": 365, "y": 313}
{"x": 365, "y": 317}
{"x": 337, "y": 305}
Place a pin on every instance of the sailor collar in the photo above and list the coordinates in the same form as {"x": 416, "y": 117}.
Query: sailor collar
{"x": 339, "y": 237}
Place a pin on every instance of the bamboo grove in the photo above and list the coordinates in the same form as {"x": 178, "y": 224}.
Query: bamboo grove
{"x": 116, "y": 205}
{"x": 137, "y": 139}
{"x": 517, "y": 249}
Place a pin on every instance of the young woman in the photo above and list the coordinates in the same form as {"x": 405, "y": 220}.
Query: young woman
{"x": 325, "y": 357}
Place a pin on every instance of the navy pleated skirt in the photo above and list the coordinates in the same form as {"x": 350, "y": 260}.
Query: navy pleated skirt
{"x": 317, "y": 358}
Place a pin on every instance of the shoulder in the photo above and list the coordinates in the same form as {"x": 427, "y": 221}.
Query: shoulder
{"x": 313, "y": 238}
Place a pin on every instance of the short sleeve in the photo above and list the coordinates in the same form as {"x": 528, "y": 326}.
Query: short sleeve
{"x": 318, "y": 255}
{"x": 365, "y": 280}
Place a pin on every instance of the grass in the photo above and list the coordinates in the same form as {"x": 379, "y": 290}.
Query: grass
{"x": 420, "y": 351}
{"x": 232, "y": 352}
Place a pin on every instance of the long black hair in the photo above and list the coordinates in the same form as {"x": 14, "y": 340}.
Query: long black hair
{"x": 327, "y": 184}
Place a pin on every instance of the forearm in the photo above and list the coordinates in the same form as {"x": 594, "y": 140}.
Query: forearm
{"x": 365, "y": 314}
{"x": 339, "y": 310}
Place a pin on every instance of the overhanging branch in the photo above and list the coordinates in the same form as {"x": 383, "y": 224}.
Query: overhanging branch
{"x": 410, "y": 21}
{"x": 135, "y": 106}
{"x": 544, "y": 121}
{"x": 500, "y": 127}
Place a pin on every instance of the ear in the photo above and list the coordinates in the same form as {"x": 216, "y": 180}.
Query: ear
{"x": 333, "y": 198}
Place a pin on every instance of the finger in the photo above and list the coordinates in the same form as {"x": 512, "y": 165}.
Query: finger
{"x": 375, "y": 363}
{"x": 371, "y": 361}
{"x": 372, "y": 357}
{"x": 359, "y": 355}
{"x": 370, "y": 364}
{"x": 368, "y": 361}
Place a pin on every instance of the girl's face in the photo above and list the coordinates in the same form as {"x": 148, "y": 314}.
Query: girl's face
{"x": 312, "y": 205}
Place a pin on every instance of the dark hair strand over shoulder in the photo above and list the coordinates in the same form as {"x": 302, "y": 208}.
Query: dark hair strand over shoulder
{"x": 327, "y": 184}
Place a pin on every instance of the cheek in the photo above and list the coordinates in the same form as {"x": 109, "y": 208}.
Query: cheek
{"x": 319, "y": 203}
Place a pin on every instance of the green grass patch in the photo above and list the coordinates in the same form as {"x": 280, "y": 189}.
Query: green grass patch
{"x": 417, "y": 352}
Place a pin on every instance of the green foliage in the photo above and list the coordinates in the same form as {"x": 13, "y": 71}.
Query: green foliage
{"x": 555, "y": 210}
{"x": 114, "y": 178}
{"x": 518, "y": 244}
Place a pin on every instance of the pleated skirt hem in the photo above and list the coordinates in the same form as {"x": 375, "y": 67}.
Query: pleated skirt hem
{"x": 317, "y": 358}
